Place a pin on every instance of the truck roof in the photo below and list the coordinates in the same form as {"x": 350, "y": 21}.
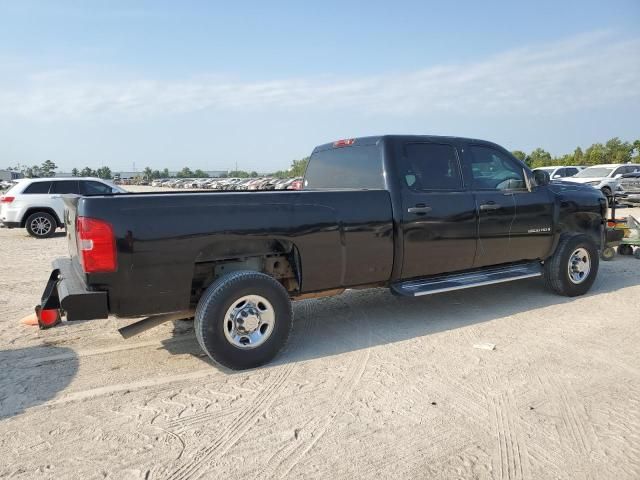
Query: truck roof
{"x": 372, "y": 140}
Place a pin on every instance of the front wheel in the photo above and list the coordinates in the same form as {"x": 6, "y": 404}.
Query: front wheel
{"x": 573, "y": 267}
{"x": 243, "y": 319}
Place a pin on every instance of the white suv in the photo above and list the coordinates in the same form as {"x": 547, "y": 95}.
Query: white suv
{"x": 36, "y": 203}
{"x": 605, "y": 177}
{"x": 560, "y": 171}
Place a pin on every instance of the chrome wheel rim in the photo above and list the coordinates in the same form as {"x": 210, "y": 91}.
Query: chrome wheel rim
{"x": 579, "y": 266}
{"x": 249, "y": 322}
{"x": 41, "y": 226}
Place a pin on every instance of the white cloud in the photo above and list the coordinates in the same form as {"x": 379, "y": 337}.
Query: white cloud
{"x": 576, "y": 74}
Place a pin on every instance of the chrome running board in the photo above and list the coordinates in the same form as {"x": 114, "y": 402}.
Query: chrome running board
{"x": 474, "y": 278}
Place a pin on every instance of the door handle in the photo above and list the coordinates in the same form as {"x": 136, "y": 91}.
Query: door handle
{"x": 419, "y": 209}
{"x": 490, "y": 206}
{"x": 55, "y": 196}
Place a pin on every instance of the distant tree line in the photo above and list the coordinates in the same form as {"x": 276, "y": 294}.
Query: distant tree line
{"x": 102, "y": 172}
{"x": 613, "y": 151}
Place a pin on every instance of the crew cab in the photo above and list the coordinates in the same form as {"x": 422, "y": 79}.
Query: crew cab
{"x": 417, "y": 214}
{"x": 36, "y": 203}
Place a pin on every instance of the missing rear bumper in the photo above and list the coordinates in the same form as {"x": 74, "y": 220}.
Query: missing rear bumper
{"x": 66, "y": 292}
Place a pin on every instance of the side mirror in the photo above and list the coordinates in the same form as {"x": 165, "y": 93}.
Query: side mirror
{"x": 618, "y": 176}
{"x": 541, "y": 177}
{"x": 556, "y": 176}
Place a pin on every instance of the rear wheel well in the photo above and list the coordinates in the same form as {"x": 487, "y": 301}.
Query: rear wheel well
{"x": 280, "y": 266}
{"x": 33, "y": 210}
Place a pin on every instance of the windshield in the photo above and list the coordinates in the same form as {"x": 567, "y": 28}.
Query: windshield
{"x": 594, "y": 172}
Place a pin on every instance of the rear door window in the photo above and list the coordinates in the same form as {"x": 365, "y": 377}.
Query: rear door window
{"x": 431, "y": 166}
{"x": 65, "y": 186}
{"x": 357, "y": 167}
{"x": 38, "y": 188}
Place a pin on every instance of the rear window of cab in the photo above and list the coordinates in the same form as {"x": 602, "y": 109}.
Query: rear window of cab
{"x": 349, "y": 167}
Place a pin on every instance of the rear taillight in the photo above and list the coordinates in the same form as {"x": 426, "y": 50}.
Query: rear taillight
{"x": 96, "y": 245}
{"x": 4, "y": 199}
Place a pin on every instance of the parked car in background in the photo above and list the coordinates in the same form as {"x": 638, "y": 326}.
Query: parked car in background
{"x": 606, "y": 178}
{"x": 37, "y": 205}
{"x": 630, "y": 185}
{"x": 6, "y": 184}
{"x": 231, "y": 184}
{"x": 560, "y": 171}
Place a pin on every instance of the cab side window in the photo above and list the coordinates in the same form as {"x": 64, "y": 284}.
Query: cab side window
{"x": 431, "y": 166}
{"x": 493, "y": 170}
{"x": 95, "y": 188}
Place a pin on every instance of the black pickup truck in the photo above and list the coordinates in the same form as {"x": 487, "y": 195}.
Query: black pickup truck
{"x": 417, "y": 214}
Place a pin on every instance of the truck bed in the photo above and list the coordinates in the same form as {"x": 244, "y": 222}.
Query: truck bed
{"x": 340, "y": 238}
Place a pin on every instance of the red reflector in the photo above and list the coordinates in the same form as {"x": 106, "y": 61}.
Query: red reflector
{"x": 48, "y": 317}
{"x": 344, "y": 143}
{"x": 96, "y": 245}
{"x": 4, "y": 199}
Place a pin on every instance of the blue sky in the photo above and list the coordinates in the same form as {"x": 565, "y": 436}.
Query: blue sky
{"x": 209, "y": 84}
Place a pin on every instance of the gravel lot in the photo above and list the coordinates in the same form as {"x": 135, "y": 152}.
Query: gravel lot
{"x": 370, "y": 386}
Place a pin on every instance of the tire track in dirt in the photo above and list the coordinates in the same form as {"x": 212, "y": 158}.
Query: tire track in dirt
{"x": 311, "y": 433}
{"x": 243, "y": 420}
{"x": 235, "y": 430}
{"x": 287, "y": 458}
{"x": 196, "y": 419}
{"x": 511, "y": 459}
{"x": 182, "y": 424}
{"x": 573, "y": 432}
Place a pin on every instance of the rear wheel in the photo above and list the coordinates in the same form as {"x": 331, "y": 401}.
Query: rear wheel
{"x": 41, "y": 225}
{"x": 573, "y": 267}
{"x": 625, "y": 249}
{"x": 243, "y": 319}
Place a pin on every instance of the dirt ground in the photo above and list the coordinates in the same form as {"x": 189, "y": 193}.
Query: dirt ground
{"x": 370, "y": 386}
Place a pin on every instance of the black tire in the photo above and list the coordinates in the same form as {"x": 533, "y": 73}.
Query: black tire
{"x": 556, "y": 268}
{"x": 210, "y": 321}
{"x": 38, "y": 222}
{"x": 625, "y": 249}
{"x": 606, "y": 191}
{"x": 608, "y": 254}
{"x": 637, "y": 253}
